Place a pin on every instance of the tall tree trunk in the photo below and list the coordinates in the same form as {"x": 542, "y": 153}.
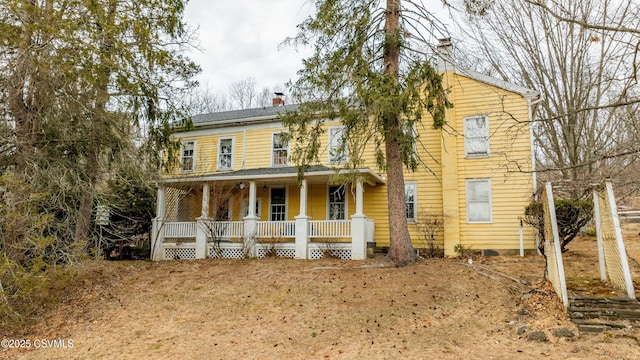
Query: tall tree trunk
{"x": 98, "y": 123}
{"x": 400, "y": 247}
{"x": 21, "y": 84}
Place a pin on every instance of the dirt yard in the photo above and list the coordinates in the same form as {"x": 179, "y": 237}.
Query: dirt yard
{"x": 327, "y": 309}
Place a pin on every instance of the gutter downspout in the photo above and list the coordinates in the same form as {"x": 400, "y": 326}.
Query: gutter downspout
{"x": 530, "y": 105}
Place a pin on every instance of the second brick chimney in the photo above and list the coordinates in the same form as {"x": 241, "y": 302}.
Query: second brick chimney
{"x": 278, "y": 100}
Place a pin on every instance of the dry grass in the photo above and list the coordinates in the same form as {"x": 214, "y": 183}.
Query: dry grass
{"x": 281, "y": 308}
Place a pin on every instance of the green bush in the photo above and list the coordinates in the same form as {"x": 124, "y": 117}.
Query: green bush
{"x": 571, "y": 214}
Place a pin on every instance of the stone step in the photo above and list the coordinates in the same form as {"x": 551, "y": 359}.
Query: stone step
{"x": 609, "y": 313}
{"x": 599, "y": 325}
{"x": 592, "y": 314}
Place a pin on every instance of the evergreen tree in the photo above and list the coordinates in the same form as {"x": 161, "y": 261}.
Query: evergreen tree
{"x": 370, "y": 70}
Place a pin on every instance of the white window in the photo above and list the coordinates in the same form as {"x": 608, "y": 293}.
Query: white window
{"x": 278, "y": 206}
{"x": 244, "y": 210}
{"x": 338, "y": 148}
{"x": 410, "y": 200}
{"x": 225, "y": 154}
{"x": 410, "y": 132}
{"x": 280, "y": 150}
{"x": 337, "y": 203}
{"x": 479, "y": 201}
{"x": 476, "y": 136}
{"x": 187, "y": 157}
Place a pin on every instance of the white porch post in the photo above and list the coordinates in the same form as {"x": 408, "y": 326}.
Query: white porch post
{"x": 302, "y": 225}
{"x": 359, "y": 227}
{"x": 201, "y": 225}
{"x": 205, "y": 201}
{"x": 157, "y": 230}
{"x": 250, "y": 221}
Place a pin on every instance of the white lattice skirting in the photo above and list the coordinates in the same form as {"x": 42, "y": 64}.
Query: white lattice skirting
{"x": 226, "y": 253}
{"x": 287, "y": 251}
{"x": 239, "y": 251}
{"x": 179, "y": 253}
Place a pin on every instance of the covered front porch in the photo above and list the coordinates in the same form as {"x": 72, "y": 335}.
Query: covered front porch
{"x": 210, "y": 216}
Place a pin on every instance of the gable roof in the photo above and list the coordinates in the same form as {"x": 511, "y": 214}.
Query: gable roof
{"x": 445, "y": 62}
{"x": 245, "y": 115}
{"x": 474, "y": 75}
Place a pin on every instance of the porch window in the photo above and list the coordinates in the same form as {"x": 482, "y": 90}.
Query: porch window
{"x": 222, "y": 210}
{"x": 278, "y": 207}
{"x": 337, "y": 203}
{"x": 338, "y": 148}
{"x": 476, "y": 136}
{"x": 187, "y": 163}
{"x": 225, "y": 154}
{"x": 280, "y": 149}
{"x": 479, "y": 201}
{"x": 245, "y": 208}
{"x": 410, "y": 200}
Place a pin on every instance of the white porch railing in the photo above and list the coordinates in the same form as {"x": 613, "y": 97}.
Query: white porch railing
{"x": 224, "y": 229}
{"x": 192, "y": 240}
{"x": 329, "y": 228}
{"x": 276, "y": 229}
{"x": 182, "y": 229}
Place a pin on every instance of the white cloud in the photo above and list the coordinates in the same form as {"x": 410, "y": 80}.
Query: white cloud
{"x": 241, "y": 39}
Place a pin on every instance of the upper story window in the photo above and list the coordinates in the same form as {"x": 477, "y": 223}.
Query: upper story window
{"x": 280, "y": 149}
{"x": 187, "y": 156}
{"x": 337, "y": 203}
{"x": 338, "y": 148}
{"x": 409, "y": 130}
{"x": 476, "y": 136}
{"x": 225, "y": 154}
{"x": 479, "y": 201}
{"x": 410, "y": 200}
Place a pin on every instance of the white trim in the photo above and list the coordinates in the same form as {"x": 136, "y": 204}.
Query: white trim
{"x": 479, "y": 180}
{"x": 346, "y": 202}
{"x": 218, "y": 153}
{"x": 286, "y": 202}
{"x": 374, "y": 175}
{"x": 193, "y": 157}
{"x": 415, "y": 201}
{"x": 466, "y": 137}
{"x": 272, "y": 149}
{"x": 331, "y": 146}
{"x": 245, "y": 204}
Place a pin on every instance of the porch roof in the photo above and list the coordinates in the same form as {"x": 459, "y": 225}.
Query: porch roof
{"x": 284, "y": 173}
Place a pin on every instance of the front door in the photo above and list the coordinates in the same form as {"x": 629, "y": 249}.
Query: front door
{"x": 278, "y": 204}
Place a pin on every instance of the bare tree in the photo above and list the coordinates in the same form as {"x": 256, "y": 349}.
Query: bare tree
{"x": 586, "y": 74}
{"x": 243, "y": 93}
{"x": 204, "y": 101}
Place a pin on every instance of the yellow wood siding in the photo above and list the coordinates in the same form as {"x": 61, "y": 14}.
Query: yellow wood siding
{"x": 440, "y": 180}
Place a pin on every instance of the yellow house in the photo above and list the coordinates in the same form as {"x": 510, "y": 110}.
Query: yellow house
{"x": 236, "y": 194}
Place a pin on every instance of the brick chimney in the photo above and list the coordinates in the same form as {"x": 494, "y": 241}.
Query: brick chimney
{"x": 278, "y": 100}
{"x": 444, "y": 55}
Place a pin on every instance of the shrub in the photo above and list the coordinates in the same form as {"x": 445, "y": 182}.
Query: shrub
{"x": 571, "y": 214}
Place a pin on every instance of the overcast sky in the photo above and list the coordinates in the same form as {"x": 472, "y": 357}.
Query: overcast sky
{"x": 240, "y": 39}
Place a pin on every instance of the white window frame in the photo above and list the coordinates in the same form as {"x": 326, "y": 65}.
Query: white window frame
{"x": 244, "y": 209}
{"x": 414, "y": 133}
{"x": 229, "y": 214}
{"x": 334, "y": 143}
{"x": 415, "y": 200}
{"x": 344, "y": 202}
{"x": 482, "y": 136}
{"x": 183, "y": 157}
{"x": 470, "y": 201}
{"x": 220, "y": 154}
{"x": 273, "y": 150}
{"x": 286, "y": 202}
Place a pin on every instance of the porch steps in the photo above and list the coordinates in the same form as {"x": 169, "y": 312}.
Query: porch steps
{"x": 597, "y": 314}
